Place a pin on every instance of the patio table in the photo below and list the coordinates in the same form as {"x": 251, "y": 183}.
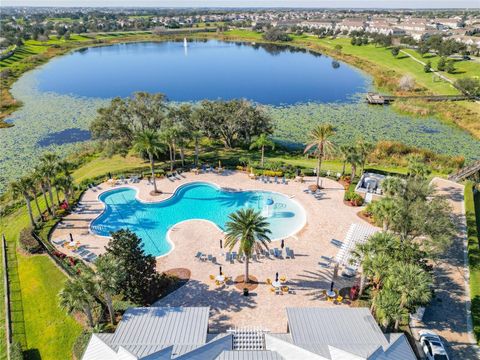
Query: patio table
{"x": 331, "y": 294}
{"x": 220, "y": 278}
{"x": 276, "y": 284}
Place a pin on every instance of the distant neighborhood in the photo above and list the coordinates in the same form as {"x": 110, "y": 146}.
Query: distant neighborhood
{"x": 19, "y": 24}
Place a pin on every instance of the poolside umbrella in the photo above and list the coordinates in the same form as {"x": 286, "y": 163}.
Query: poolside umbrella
{"x": 276, "y": 276}
{"x": 71, "y": 237}
{"x": 282, "y": 245}
{"x": 220, "y": 270}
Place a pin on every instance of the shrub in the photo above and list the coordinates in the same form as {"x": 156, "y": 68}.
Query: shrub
{"x": 354, "y": 198}
{"x": 272, "y": 173}
{"x": 28, "y": 243}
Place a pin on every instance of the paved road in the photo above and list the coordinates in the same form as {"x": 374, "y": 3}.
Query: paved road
{"x": 449, "y": 312}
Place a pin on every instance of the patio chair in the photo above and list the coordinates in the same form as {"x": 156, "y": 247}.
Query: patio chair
{"x": 268, "y": 281}
{"x": 59, "y": 242}
{"x": 287, "y": 253}
{"x": 234, "y": 255}
{"x": 268, "y": 179}
{"x": 212, "y": 277}
{"x": 291, "y": 291}
{"x": 275, "y": 179}
{"x": 272, "y": 252}
{"x": 324, "y": 265}
{"x": 214, "y": 259}
{"x": 92, "y": 258}
{"x": 285, "y": 289}
{"x": 272, "y": 289}
{"x": 283, "y": 278}
{"x": 278, "y": 291}
{"x": 336, "y": 242}
{"x": 227, "y": 256}
{"x": 284, "y": 181}
{"x": 292, "y": 254}
{"x": 339, "y": 299}
{"x": 199, "y": 255}
{"x": 254, "y": 257}
{"x": 327, "y": 258}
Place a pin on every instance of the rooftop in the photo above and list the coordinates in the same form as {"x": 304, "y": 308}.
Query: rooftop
{"x": 181, "y": 333}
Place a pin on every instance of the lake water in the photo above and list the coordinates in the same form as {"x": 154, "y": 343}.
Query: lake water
{"x": 298, "y": 90}
{"x": 212, "y": 69}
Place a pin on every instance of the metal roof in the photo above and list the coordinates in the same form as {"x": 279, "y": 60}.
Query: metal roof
{"x": 250, "y": 355}
{"x": 162, "y": 325}
{"x": 350, "y": 329}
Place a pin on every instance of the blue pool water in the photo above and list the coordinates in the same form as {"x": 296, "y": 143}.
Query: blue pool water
{"x": 151, "y": 221}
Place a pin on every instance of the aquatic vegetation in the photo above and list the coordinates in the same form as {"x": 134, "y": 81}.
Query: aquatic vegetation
{"x": 46, "y": 120}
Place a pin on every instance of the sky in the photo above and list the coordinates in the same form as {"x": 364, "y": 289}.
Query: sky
{"x": 252, "y": 3}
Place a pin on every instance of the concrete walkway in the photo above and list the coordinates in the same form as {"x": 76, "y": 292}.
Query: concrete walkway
{"x": 449, "y": 312}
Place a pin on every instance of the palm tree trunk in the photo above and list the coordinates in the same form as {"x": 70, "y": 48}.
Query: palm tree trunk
{"x": 263, "y": 155}
{"x": 343, "y": 167}
{"x": 108, "y": 300}
{"x": 50, "y": 195}
{"x": 46, "y": 200}
{"x": 196, "y": 151}
{"x": 56, "y": 193}
{"x": 29, "y": 208}
{"x": 171, "y": 157}
{"x": 397, "y": 321}
{"x": 363, "y": 280}
{"x": 38, "y": 207}
{"x": 182, "y": 156}
{"x": 247, "y": 279}
{"x": 88, "y": 312}
{"x": 152, "y": 167}
{"x": 353, "y": 173}
{"x": 319, "y": 163}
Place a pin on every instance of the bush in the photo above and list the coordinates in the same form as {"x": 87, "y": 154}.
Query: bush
{"x": 28, "y": 243}
{"x": 354, "y": 198}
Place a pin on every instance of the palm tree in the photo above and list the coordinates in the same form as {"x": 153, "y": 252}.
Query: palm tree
{"x": 33, "y": 189}
{"x": 77, "y": 295}
{"x": 65, "y": 167}
{"x": 320, "y": 140}
{"x": 38, "y": 177}
{"x": 65, "y": 184}
{"x": 364, "y": 149}
{"x": 23, "y": 187}
{"x": 412, "y": 284}
{"x": 344, "y": 150}
{"x": 384, "y": 211}
{"x": 108, "y": 276}
{"x": 261, "y": 142}
{"x": 387, "y": 308}
{"x": 148, "y": 141}
{"x": 353, "y": 158}
{"x": 249, "y": 230}
{"x": 48, "y": 168}
{"x": 168, "y": 138}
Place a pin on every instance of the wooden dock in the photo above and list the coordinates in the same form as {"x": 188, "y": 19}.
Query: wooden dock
{"x": 379, "y": 99}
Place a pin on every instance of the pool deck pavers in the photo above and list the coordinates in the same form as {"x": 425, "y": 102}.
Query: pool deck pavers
{"x": 327, "y": 219}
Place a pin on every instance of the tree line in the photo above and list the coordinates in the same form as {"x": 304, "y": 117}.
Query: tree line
{"x": 150, "y": 125}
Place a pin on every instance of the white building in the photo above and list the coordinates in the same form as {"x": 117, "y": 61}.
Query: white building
{"x": 161, "y": 333}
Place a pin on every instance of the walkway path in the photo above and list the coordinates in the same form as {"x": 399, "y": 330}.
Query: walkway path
{"x": 449, "y": 312}
{"x": 433, "y": 71}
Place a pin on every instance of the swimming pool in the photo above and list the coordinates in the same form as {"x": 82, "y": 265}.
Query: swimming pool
{"x": 197, "y": 200}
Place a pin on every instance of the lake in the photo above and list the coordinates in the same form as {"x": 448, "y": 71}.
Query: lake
{"x": 266, "y": 74}
{"x": 297, "y": 89}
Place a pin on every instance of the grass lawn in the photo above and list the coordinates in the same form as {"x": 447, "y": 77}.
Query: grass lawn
{"x": 402, "y": 64}
{"x": 49, "y": 332}
{"x": 472, "y": 208}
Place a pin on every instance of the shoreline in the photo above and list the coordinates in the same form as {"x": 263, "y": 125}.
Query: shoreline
{"x": 385, "y": 80}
